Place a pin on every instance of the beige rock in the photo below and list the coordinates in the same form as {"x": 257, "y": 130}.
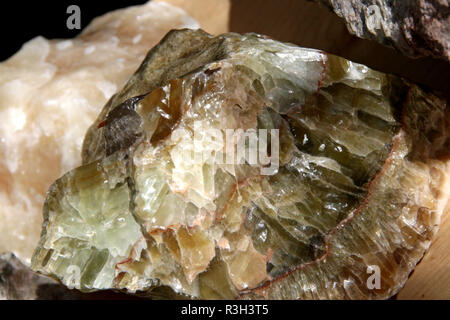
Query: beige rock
{"x": 50, "y": 92}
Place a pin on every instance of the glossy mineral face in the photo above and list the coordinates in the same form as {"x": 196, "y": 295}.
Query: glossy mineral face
{"x": 358, "y": 183}
{"x": 50, "y": 93}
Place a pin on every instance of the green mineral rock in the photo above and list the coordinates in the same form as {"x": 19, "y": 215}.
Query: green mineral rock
{"x": 347, "y": 183}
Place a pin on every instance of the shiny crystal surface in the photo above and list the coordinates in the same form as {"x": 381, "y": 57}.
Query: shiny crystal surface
{"x": 50, "y": 93}
{"x": 359, "y": 181}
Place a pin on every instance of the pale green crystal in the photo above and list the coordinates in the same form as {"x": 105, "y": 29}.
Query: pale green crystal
{"x": 91, "y": 222}
{"x": 354, "y": 187}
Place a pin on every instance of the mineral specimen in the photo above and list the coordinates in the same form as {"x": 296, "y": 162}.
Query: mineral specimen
{"x": 356, "y": 180}
{"x": 50, "y": 92}
{"x": 414, "y": 27}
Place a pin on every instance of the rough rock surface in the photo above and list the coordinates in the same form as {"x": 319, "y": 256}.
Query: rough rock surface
{"x": 415, "y": 27}
{"x": 50, "y": 92}
{"x": 18, "y": 282}
{"x": 360, "y": 182}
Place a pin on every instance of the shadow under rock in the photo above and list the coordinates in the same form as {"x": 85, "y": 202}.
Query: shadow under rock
{"x": 312, "y": 25}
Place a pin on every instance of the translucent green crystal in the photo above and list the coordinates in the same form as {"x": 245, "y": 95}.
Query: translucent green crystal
{"x": 355, "y": 184}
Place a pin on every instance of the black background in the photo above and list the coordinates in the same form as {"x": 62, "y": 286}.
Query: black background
{"x": 278, "y": 310}
{"x": 21, "y": 21}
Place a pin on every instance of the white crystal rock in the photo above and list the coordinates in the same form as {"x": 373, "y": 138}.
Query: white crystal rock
{"x": 50, "y": 93}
